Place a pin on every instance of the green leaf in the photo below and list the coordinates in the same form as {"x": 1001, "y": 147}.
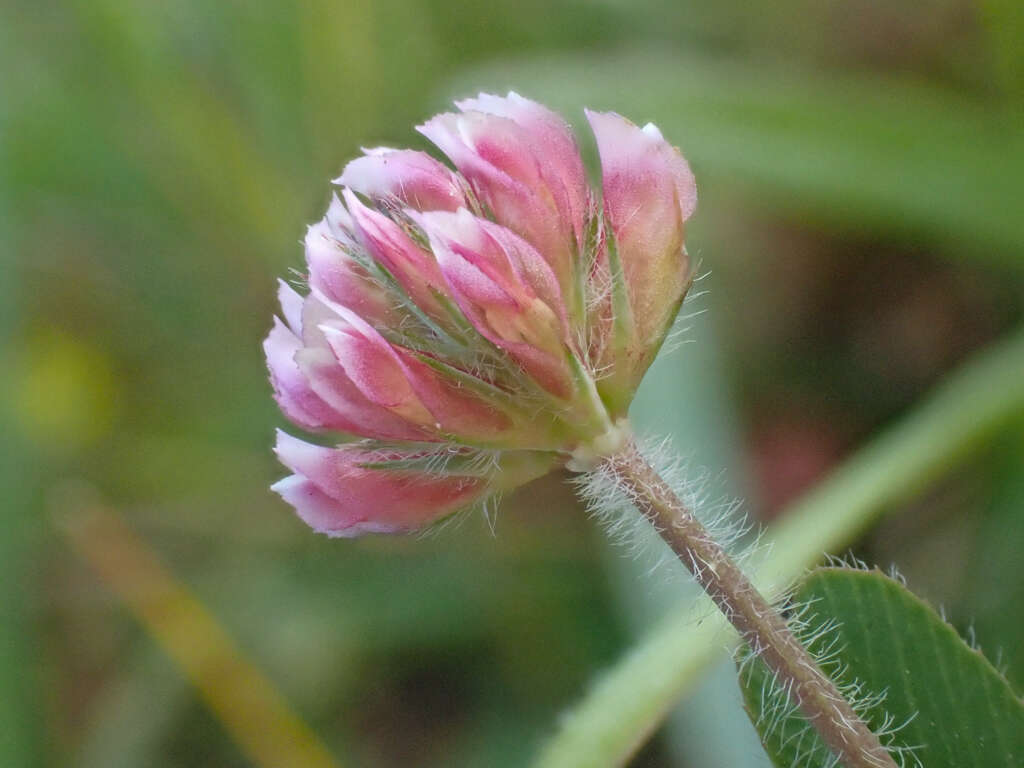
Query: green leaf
{"x": 992, "y": 601}
{"x": 941, "y": 698}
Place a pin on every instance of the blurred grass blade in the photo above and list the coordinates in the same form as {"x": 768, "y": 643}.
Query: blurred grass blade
{"x": 240, "y": 197}
{"x": 134, "y": 712}
{"x": 252, "y": 711}
{"x": 856, "y": 151}
{"x": 993, "y": 596}
{"x": 630, "y": 701}
{"x": 1004, "y": 20}
{"x": 19, "y": 730}
{"x": 943, "y": 701}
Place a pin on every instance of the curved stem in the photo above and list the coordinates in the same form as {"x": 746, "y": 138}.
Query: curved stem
{"x": 757, "y": 621}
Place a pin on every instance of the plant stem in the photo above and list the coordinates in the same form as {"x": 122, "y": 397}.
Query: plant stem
{"x": 757, "y": 621}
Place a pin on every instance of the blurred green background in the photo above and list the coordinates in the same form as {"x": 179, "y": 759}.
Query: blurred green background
{"x": 861, "y": 228}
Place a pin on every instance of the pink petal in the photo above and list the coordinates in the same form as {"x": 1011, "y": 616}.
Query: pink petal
{"x": 550, "y": 139}
{"x": 639, "y": 166}
{"x": 649, "y": 192}
{"x": 456, "y": 411}
{"x": 292, "y": 391}
{"x": 504, "y": 267}
{"x": 469, "y": 259}
{"x": 322, "y": 513}
{"x": 291, "y": 306}
{"x": 314, "y": 392}
{"x": 393, "y": 378}
{"x": 414, "y": 268}
{"x": 356, "y": 413}
{"x": 504, "y": 165}
{"x": 317, "y": 310}
{"x": 369, "y": 362}
{"x": 500, "y": 283}
{"x": 335, "y": 492}
{"x": 333, "y": 271}
{"x": 338, "y": 222}
{"x": 413, "y": 178}
{"x": 527, "y": 267}
{"x": 484, "y": 147}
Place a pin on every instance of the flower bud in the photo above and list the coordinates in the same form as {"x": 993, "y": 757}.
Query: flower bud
{"x": 648, "y": 194}
{"x": 476, "y": 328}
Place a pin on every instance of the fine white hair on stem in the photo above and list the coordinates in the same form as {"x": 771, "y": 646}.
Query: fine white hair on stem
{"x": 614, "y": 507}
{"x": 779, "y": 717}
{"x": 617, "y": 503}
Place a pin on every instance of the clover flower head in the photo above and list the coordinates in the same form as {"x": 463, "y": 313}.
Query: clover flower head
{"x": 469, "y": 330}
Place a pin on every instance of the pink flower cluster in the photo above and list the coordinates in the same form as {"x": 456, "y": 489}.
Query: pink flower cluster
{"x": 476, "y": 328}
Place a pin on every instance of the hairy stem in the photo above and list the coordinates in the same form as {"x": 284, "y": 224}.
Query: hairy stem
{"x": 757, "y": 621}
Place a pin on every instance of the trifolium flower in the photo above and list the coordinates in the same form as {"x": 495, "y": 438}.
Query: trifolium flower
{"x": 470, "y": 330}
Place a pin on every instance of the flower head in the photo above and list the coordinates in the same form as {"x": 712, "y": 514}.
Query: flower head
{"x": 472, "y": 329}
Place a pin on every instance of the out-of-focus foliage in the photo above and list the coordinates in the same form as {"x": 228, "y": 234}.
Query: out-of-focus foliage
{"x": 860, "y": 167}
{"x": 992, "y": 604}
